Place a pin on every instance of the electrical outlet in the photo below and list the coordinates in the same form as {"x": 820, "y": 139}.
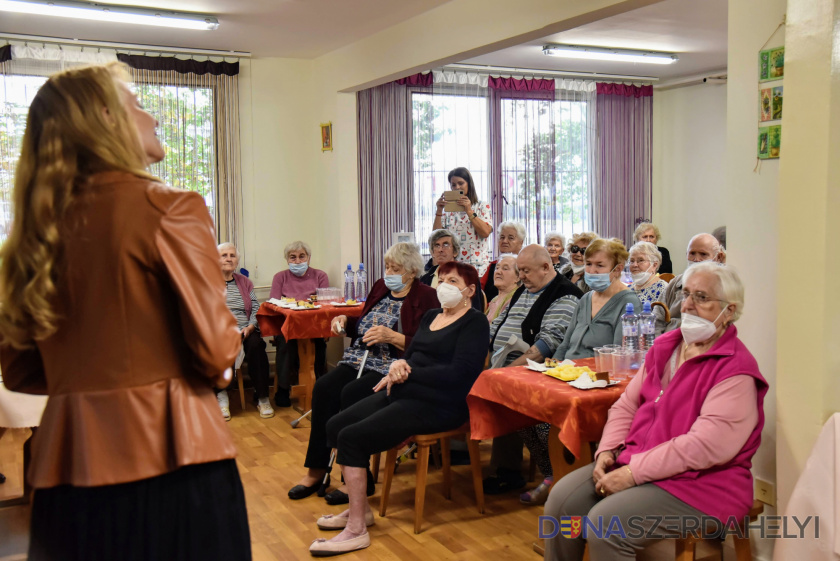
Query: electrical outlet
{"x": 765, "y": 492}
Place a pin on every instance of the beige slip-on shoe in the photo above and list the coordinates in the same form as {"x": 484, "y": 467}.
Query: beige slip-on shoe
{"x": 335, "y": 522}
{"x": 323, "y": 548}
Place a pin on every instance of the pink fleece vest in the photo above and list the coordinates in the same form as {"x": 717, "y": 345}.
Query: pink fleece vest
{"x": 245, "y": 286}
{"x": 721, "y": 491}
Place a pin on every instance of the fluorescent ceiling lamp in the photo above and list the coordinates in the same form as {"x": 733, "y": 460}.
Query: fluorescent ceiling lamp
{"x": 606, "y": 53}
{"x": 109, "y": 13}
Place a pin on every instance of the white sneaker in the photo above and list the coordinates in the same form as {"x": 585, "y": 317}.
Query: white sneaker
{"x": 224, "y": 404}
{"x": 264, "y": 406}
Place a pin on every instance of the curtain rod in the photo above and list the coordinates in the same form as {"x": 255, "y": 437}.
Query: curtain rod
{"x": 122, "y": 46}
{"x": 487, "y": 69}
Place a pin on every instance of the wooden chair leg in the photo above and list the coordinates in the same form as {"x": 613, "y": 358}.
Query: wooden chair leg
{"x": 241, "y": 384}
{"x": 420, "y": 490}
{"x": 475, "y": 465}
{"x": 390, "y": 462}
{"x": 684, "y": 549}
{"x": 743, "y": 551}
{"x": 446, "y": 465}
{"x": 374, "y": 460}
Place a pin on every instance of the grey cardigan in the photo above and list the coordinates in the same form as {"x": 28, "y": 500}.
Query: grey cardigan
{"x": 585, "y": 333}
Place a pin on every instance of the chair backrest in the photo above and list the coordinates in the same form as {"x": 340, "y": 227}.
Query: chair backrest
{"x": 664, "y": 307}
{"x": 667, "y": 277}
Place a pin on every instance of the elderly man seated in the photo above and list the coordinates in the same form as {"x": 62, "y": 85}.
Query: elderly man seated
{"x": 299, "y": 281}
{"x": 533, "y": 326}
{"x": 702, "y": 247}
{"x": 444, "y": 247}
{"x": 511, "y": 238}
{"x": 242, "y": 302}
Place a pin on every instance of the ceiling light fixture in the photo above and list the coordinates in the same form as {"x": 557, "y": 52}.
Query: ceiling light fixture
{"x": 606, "y": 53}
{"x": 110, "y": 13}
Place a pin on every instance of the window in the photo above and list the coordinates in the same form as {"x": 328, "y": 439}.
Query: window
{"x": 543, "y": 166}
{"x": 186, "y": 117}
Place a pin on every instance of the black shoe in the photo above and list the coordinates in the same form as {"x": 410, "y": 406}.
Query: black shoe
{"x": 2, "y": 478}
{"x": 504, "y": 482}
{"x": 281, "y": 399}
{"x": 341, "y": 498}
{"x": 301, "y": 491}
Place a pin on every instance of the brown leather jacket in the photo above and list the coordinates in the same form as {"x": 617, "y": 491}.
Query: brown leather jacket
{"x": 145, "y": 335}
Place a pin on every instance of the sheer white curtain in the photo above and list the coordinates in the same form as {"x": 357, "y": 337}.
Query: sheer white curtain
{"x": 449, "y": 130}
{"x": 20, "y": 79}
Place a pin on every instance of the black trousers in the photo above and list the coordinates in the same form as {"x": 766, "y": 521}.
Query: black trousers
{"x": 258, "y": 368}
{"x": 377, "y": 423}
{"x": 335, "y": 390}
{"x": 287, "y": 361}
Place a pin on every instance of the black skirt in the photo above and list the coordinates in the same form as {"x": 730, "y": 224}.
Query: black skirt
{"x": 194, "y": 513}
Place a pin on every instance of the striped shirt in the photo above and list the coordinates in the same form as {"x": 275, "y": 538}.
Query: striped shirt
{"x": 237, "y": 306}
{"x": 552, "y": 328}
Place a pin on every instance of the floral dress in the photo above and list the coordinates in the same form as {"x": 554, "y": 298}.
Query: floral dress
{"x": 474, "y": 249}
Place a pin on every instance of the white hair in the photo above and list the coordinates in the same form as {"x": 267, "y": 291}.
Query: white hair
{"x": 444, "y": 233}
{"x": 227, "y": 245}
{"x": 555, "y": 236}
{"x": 730, "y": 288}
{"x": 648, "y": 250}
{"x": 516, "y": 226}
{"x": 407, "y": 256}
{"x": 509, "y": 256}
{"x": 715, "y": 245}
{"x": 297, "y": 246}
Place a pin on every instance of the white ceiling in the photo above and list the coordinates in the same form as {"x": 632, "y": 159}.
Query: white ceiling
{"x": 281, "y": 28}
{"x": 693, "y": 29}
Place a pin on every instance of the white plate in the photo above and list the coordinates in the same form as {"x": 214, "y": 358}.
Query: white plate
{"x": 302, "y": 308}
{"x": 345, "y": 304}
{"x": 610, "y": 383}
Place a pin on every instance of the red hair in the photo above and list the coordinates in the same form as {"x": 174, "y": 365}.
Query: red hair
{"x": 466, "y": 272}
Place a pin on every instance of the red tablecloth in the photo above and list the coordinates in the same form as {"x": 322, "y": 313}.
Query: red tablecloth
{"x": 301, "y": 324}
{"x": 503, "y": 400}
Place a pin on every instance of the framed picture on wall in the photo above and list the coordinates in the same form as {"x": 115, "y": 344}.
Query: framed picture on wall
{"x": 326, "y": 137}
{"x": 407, "y": 237}
{"x": 763, "y": 143}
{"x": 776, "y": 104}
{"x": 771, "y": 64}
{"x": 775, "y": 141}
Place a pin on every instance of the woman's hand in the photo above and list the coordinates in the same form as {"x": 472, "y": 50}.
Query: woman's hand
{"x": 397, "y": 374}
{"x": 247, "y": 330}
{"x": 604, "y": 461}
{"x": 338, "y": 324}
{"x": 378, "y": 334}
{"x": 615, "y": 481}
{"x": 465, "y": 203}
{"x": 440, "y": 203}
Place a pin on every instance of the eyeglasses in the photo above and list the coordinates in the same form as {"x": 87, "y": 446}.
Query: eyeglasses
{"x": 700, "y": 297}
{"x": 444, "y": 245}
{"x": 576, "y": 249}
{"x": 639, "y": 261}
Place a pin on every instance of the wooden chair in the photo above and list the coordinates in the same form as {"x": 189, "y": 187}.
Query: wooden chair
{"x": 664, "y": 307}
{"x": 667, "y": 277}
{"x": 685, "y": 549}
{"x": 240, "y": 382}
{"x": 424, "y": 443}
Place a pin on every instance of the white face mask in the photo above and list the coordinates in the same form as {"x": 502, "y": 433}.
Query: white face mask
{"x": 696, "y": 329}
{"x": 449, "y": 295}
{"x": 641, "y": 278}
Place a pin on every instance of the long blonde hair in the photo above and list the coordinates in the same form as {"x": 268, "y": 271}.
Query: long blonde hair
{"x": 77, "y": 126}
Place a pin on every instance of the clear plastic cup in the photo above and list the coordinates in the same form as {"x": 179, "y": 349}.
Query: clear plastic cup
{"x": 622, "y": 359}
{"x": 604, "y": 359}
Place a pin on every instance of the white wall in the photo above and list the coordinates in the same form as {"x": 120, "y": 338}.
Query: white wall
{"x": 689, "y": 175}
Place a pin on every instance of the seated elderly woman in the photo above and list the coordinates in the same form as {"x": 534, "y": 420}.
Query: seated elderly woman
{"x": 444, "y": 247}
{"x": 242, "y": 302}
{"x": 506, "y": 280}
{"x": 424, "y": 393}
{"x": 680, "y": 439}
{"x": 299, "y": 281}
{"x": 644, "y": 263}
{"x": 647, "y": 232}
{"x": 555, "y": 243}
{"x": 596, "y": 322}
{"x": 389, "y": 320}
{"x": 511, "y": 238}
{"x": 574, "y": 270}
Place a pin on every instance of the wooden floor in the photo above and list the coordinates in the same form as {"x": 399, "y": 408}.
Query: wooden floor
{"x": 270, "y": 462}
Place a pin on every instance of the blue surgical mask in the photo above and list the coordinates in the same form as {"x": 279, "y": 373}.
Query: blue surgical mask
{"x": 394, "y": 283}
{"x": 298, "y": 269}
{"x": 598, "y": 282}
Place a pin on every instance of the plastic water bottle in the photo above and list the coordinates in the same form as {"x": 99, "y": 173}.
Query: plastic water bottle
{"x": 627, "y": 278}
{"x": 647, "y": 324}
{"x": 361, "y": 283}
{"x": 630, "y": 329}
{"x": 349, "y": 284}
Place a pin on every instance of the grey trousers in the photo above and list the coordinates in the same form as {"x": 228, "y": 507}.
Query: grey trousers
{"x": 575, "y": 495}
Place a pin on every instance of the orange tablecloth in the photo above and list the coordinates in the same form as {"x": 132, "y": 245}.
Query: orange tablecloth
{"x": 503, "y": 400}
{"x": 301, "y": 324}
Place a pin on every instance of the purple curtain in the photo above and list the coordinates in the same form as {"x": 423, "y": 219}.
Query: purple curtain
{"x": 416, "y": 80}
{"x": 623, "y": 161}
{"x": 386, "y": 200}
